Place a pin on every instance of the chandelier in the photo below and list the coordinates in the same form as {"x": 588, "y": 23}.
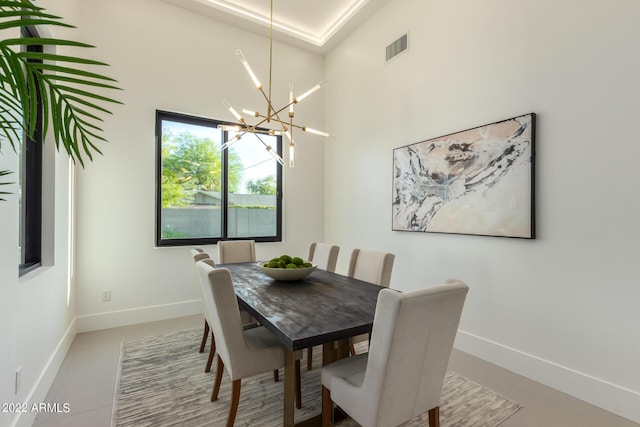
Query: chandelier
{"x": 280, "y": 117}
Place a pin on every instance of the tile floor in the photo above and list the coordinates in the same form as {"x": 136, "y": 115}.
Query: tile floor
{"x": 87, "y": 381}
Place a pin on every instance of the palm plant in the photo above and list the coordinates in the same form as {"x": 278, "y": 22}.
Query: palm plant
{"x": 70, "y": 98}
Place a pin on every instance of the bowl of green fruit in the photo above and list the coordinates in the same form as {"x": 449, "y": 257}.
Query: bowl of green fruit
{"x": 287, "y": 268}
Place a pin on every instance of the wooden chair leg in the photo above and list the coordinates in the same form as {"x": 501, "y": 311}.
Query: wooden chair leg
{"x": 309, "y": 358}
{"x": 434, "y": 417}
{"x": 216, "y": 385}
{"x": 327, "y": 407}
{"x": 212, "y": 353}
{"x": 276, "y": 375}
{"x": 298, "y": 386}
{"x": 205, "y": 335}
{"x": 235, "y": 399}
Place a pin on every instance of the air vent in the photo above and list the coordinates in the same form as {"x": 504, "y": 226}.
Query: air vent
{"x": 397, "y": 47}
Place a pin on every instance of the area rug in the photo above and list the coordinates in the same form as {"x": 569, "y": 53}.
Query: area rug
{"x": 161, "y": 382}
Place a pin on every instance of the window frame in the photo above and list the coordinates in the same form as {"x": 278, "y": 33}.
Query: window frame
{"x": 30, "y": 238}
{"x": 162, "y": 115}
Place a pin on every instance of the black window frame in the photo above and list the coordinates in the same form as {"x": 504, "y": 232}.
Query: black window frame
{"x": 162, "y": 115}
{"x": 31, "y": 188}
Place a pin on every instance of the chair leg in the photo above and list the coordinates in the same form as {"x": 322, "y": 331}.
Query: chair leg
{"x": 298, "y": 386}
{"x": 434, "y": 417}
{"x": 216, "y": 385}
{"x": 235, "y": 399}
{"x": 212, "y": 353}
{"x": 205, "y": 335}
{"x": 309, "y": 358}
{"x": 276, "y": 375}
{"x": 327, "y": 407}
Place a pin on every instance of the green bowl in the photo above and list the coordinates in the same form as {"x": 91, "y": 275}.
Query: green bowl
{"x": 286, "y": 274}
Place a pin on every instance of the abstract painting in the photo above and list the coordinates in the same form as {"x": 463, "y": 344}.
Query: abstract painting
{"x": 479, "y": 181}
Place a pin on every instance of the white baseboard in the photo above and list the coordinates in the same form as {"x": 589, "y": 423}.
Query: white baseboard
{"x": 42, "y": 385}
{"x": 608, "y": 396}
{"x": 114, "y": 319}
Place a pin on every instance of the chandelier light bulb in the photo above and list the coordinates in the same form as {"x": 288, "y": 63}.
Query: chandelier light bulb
{"x": 310, "y": 91}
{"x": 275, "y": 155}
{"x": 292, "y": 149}
{"x": 230, "y": 142}
{"x": 251, "y": 113}
{"x": 247, "y": 67}
{"x": 229, "y": 128}
{"x": 291, "y": 100}
{"x": 315, "y": 131}
{"x": 232, "y": 110}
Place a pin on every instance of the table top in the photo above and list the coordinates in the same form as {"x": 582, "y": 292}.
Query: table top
{"x": 321, "y": 308}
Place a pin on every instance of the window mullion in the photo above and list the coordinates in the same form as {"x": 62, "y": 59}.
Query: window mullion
{"x": 225, "y": 188}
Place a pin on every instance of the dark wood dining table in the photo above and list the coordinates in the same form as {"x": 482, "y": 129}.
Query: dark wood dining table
{"x": 322, "y": 309}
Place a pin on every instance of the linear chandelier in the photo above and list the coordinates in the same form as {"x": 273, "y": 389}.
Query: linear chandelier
{"x": 276, "y": 115}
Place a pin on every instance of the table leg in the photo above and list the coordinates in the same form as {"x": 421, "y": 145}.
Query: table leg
{"x": 328, "y": 353}
{"x": 289, "y": 387}
{"x": 342, "y": 349}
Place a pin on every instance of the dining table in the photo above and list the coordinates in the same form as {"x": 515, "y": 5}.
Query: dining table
{"x": 324, "y": 308}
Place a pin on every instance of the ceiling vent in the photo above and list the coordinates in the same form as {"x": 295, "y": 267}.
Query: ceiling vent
{"x": 397, "y": 47}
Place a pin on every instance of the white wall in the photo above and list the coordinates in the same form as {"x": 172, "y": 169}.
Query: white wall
{"x": 9, "y": 292}
{"x": 561, "y": 309}
{"x": 172, "y": 59}
{"x": 37, "y": 310}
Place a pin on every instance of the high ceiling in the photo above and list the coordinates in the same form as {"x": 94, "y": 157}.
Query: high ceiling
{"x": 312, "y": 24}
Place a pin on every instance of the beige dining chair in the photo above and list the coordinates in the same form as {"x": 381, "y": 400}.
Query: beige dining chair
{"x": 401, "y": 376}
{"x": 236, "y": 251}
{"x": 325, "y": 256}
{"x": 199, "y": 255}
{"x": 242, "y": 352}
{"x": 247, "y": 320}
{"x": 373, "y": 267}
{"x": 233, "y": 251}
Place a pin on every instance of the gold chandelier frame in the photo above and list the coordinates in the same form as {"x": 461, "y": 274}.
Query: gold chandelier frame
{"x": 273, "y": 114}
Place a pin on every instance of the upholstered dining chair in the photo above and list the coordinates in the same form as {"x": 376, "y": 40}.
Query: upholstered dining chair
{"x": 200, "y": 255}
{"x": 233, "y": 251}
{"x": 236, "y": 251}
{"x": 247, "y": 320}
{"x": 242, "y": 352}
{"x": 325, "y": 256}
{"x": 373, "y": 267}
{"x": 401, "y": 376}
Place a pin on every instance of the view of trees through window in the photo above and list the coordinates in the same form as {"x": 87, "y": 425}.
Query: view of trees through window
{"x": 207, "y": 194}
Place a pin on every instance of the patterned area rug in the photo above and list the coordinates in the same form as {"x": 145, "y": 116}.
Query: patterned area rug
{"x": 162, "y": 383}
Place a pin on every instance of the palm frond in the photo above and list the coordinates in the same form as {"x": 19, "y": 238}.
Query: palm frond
{"x": 73, "y": 96}
{"x": 4, "y": 173}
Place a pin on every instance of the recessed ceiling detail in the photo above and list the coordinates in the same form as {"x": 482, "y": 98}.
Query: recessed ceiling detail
{"x": 313, "y": 22}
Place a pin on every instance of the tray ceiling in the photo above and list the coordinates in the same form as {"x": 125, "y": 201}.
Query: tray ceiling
{"x": 312, "y": 24}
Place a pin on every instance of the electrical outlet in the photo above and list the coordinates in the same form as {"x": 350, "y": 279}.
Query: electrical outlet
{"x": 106, "y": 296}
{"x": 18, "y": 380}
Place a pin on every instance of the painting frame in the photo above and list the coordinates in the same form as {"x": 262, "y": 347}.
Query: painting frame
{"x": 479, "y": 181}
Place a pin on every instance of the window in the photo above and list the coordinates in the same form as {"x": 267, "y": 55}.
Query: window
{"x": 205, "y": 194}
{"x": 30, "y": 184}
